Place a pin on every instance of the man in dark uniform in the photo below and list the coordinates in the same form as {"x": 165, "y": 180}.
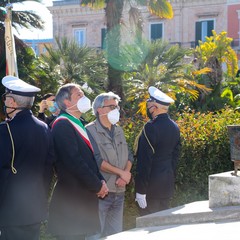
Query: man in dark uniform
{"x": 73, "y": 212}
{"x": 26, "y": 157}
{"x": 157, "y": 156}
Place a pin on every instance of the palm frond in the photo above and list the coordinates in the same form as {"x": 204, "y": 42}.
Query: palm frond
{"x": 94, "y": 4}
{"x": 135, "y": 18}
{"x": 204, "y": 70}
{"x": 27, "y": 20}
{"x": 161, "y": 8}
{"x": 164, "y": 67}
{"x": 71, "y": 63}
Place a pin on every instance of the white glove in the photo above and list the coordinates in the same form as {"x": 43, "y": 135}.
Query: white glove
{"x": 141, "y": 200}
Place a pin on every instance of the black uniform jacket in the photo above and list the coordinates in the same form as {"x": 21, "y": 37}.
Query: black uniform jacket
{"x": 156, "y": 165}
{"x": 74, "y": 205}
{"x": 47, "y": 119}
{"x": 23, "y": 196}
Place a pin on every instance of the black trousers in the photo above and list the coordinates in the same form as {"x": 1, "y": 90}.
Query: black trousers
{"x": 155, "y": 205}
{"x": 28, "y": 232}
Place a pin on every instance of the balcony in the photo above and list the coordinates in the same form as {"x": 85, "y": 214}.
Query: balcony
{"x": 65, "y": 2}
{"x": 235, "y": 44}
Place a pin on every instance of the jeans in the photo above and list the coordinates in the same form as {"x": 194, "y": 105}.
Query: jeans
{"x": 111, "y": 213}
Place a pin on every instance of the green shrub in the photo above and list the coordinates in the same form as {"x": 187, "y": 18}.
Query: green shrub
{"x": 205, "y": 150}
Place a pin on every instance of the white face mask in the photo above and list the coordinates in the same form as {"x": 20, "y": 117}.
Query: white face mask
{"x": 113, "y": 116}
{"x": 84, "y": 104}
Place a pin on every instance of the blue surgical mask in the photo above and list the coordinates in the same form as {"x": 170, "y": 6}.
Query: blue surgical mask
{"x": 53, "y": 108}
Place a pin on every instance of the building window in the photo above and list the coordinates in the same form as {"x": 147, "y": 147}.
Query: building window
{"x": 80, "y": 36}
{"x": 103, "y": 38}
{"x": 36, "y": 50}
{"x": 203, "y": 29}
{"x": 156, "y": 31}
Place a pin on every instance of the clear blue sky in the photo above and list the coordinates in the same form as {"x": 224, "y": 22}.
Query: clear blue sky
{"x": 43, "y": 12}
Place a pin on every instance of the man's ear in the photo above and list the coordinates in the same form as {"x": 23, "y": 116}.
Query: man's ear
{"x": 13, "y": 103}
{"x": 99, "y": 111}
{"x": 67, "y": 103}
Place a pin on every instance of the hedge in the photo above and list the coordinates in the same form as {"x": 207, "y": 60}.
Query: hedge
{"x": 205, "y": 150}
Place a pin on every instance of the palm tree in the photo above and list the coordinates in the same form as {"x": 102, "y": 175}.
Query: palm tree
{"x": 20, "y": 19}
{"x": 161, "y": 65}
{"x": 212, "y": 53}
{"x": 215, "y": 51}
{"x": 113, "y": 12}
{"x": 71, "y": 63}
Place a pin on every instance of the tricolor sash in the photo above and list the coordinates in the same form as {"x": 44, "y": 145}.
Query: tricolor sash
{"x": 77, "y": 125}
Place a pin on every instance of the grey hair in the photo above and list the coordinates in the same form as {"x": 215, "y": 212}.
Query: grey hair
{"x": 23, "y": 101}
{"x": 99, "y": 100}
{"x": 63, "y": 93}
{"x": 163, "y": 107}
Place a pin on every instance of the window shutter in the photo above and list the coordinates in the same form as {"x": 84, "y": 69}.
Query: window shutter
{"x": 80, "y": 36}
{"x": 209, "y": 28}
{"x": 103, "y": 37}
{"x": 198, "y": 32}
{"x": 156, "y": 31}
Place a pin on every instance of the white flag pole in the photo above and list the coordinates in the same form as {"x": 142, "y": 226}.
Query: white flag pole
{"x": 11, "y": 58}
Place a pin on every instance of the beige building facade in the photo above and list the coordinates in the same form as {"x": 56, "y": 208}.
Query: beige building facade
{"x": 193, "y": 20}
{"x": 80, "y": 23}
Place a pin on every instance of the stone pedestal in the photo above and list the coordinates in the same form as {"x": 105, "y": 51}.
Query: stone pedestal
{"x": 191, "y": 213}
{"x": 224, "y": 190}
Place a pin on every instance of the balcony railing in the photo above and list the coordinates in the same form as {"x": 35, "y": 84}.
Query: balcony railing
{"x": 65, "y": 2}
{"x": 235, "y": 44}
{"x": 191, "y": 44}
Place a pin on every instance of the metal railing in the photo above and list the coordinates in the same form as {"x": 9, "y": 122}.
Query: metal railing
{"x": 65, "y": 2}
{"x": 235, "y": 44}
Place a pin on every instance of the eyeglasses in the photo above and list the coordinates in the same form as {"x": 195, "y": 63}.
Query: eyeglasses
{"x": 112, "y": 107}
{"x": 4, "y": 96}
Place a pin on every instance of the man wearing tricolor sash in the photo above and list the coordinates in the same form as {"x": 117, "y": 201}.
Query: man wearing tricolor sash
{"x": 73, "y": 210}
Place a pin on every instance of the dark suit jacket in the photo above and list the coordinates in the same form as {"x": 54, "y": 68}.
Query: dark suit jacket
{"x": 74, "y": 205}
{"x": 156, "y": 170}
{"x": 23, "y": 196}
{"x": 47, "y": 119}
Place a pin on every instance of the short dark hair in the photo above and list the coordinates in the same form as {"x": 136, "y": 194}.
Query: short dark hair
{"x": 47, "y": 95}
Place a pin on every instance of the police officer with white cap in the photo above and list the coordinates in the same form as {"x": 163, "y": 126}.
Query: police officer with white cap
{"x": 157, "y": 155}
{"x": 26, "y": 157}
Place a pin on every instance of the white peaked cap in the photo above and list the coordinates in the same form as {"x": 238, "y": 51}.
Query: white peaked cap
{"x": 17, "y": 86}
{"x": 159, "y": 97}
